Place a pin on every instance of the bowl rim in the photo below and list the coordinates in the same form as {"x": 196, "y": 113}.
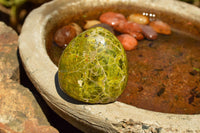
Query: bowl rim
{"x": 101, "y": 117}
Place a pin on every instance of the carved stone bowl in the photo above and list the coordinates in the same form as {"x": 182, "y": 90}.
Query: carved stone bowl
{"x": 113, "y": 117}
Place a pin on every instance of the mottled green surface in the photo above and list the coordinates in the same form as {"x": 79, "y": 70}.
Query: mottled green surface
{"x": 93, "y": 68}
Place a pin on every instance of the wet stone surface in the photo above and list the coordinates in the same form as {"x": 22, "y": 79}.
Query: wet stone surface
{"x": 19, "y": 110}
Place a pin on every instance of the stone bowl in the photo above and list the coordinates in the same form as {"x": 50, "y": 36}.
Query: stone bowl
{"x": 113, "y": 117}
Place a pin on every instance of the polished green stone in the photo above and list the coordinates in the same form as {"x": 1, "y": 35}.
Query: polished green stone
{"x": 93, "y": 67}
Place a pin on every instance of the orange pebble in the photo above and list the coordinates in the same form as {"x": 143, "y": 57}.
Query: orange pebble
{"x": 161, "y": 27}
{"x": 128, "y": 42}
{"x": 138, "y": 18}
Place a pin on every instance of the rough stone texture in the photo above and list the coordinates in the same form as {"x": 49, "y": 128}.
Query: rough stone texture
{"x": 9, "y": 65}
{"x": 32, "y": 126}
{"x": 19, "y": 110}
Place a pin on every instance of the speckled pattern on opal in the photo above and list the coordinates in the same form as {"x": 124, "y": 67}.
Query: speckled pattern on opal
{"x": 93, "y": 68}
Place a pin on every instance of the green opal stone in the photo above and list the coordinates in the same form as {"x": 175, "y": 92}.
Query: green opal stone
{"x": 93, "y": 67}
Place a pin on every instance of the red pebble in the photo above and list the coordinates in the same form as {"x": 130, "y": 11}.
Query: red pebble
{"x": 131, "y": 28}
{"x": 128, "y": 27}
{"x": 112, "y": 18}
{"x": 137, "y": 35}
{"x": 64, "y": 35}
{"x": 128, "y": 41}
